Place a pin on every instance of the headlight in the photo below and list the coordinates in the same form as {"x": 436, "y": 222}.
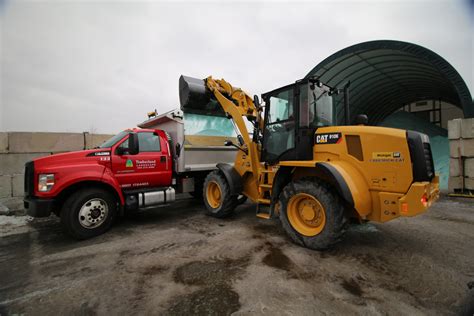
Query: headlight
{"x": 45, "y": 182}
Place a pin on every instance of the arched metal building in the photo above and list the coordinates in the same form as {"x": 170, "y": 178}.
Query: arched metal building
{"x": 385, "y": 75}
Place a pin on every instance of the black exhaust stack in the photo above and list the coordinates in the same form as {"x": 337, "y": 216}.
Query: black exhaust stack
{"x": 347, "y": 112}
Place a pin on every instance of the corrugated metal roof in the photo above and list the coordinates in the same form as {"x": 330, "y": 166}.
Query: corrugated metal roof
{"x": 385, "y": 75}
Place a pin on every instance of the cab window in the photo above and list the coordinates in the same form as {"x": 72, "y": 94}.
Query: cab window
{"x": 148, "y": 142}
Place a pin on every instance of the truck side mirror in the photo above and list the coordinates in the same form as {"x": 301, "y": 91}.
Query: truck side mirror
{"x": 133, "y": 147}
{"x": 228, "y": 143}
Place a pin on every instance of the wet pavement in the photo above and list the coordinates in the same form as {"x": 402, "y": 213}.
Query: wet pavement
{"x": 177, "y": 261}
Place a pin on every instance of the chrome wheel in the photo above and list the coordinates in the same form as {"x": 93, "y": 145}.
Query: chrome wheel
{"x": 93, "y": 213}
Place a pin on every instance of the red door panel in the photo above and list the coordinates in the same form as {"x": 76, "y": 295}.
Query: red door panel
{"x": 151, "y": 167}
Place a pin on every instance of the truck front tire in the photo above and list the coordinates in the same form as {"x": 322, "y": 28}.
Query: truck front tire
{"x": 217, "y": 198}
{"x": 88, "y": 212}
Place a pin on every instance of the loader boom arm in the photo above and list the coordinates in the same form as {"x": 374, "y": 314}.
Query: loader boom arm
{"x": 237, "y": 104}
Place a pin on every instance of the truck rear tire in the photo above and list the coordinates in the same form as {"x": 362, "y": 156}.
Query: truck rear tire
{"x": 88, "y": 213}
{"x": 312, "y": 214}
{"x": 217, "y": 198}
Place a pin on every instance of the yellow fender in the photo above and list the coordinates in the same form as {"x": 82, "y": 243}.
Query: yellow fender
{"x": 351, "y": 185}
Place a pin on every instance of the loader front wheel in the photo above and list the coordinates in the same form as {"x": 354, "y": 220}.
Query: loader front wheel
{"x": 217, "y": 198}
{"x": 312, "y": 214}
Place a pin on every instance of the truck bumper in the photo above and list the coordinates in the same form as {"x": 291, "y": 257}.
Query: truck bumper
{"x": 418, "y": 199}
{"x": 38, "y": 207}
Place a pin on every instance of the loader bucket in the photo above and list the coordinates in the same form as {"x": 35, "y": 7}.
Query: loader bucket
{"x": 196, "y": 98}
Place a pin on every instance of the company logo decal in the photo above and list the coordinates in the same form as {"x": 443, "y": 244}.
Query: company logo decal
{"x": 129, "y": 163}
{"x": 146, "y": 164}
{"x": 387, "y": 156}
{"x": 328, "y": 138}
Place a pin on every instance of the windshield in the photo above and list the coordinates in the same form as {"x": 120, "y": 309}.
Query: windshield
{"x": 113, "y": 140}
{"x": 316, "y": 107}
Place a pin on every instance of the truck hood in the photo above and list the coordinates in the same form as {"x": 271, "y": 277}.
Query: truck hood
{"x": 82, "y": 157}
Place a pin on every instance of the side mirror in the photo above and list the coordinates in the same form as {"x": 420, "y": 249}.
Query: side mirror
{"x": 228, "y": 143}
{"x": 256, "y": 101}
{"x": 133, "y": 147}
{"x": 361, "y": 119}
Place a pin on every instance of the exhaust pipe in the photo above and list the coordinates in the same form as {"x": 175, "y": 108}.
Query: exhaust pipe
{"x": 193, "y": 94}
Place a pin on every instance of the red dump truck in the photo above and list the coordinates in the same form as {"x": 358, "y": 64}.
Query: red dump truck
{"x": 136, "y": 169}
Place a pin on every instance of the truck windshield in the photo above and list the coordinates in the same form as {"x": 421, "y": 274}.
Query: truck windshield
{"x": 113, "y": 140}
{"x": 316, "y": 107}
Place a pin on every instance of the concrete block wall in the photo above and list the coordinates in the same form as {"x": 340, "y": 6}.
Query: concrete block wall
{"x": 461, "y": 148}
{"x": 17, "y": 148}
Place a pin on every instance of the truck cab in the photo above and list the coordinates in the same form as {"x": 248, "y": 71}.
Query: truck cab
{"x": 88, "y": 188}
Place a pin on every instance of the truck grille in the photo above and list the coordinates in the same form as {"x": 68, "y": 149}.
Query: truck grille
{"x": 29, "y": 178}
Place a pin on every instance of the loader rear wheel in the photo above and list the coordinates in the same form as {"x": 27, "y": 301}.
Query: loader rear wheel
{"x": 217, "y": 198}
{"x": 312, "y": 214}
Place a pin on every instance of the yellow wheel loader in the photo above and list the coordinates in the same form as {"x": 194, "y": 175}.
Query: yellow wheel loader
{"x": 298, "y": 165}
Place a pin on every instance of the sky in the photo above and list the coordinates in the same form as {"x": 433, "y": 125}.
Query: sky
{"x": 100, "y": 66}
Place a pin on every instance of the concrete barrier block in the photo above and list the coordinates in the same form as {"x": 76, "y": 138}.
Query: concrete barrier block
{"x": 14, "y": 205}
{"x": 469, "y": 167}
{"x": 467, "y": 128}
{"x": 5, "y": 186}
{"x": 18, "y": 189}
{"x": 23, "y": 142}
{"x": 467, "y": 147}
{"x": 454, "y": 183}
{"x": 15, "y": 163}
{"x": 454, "y": 129}
{"x": 453, "y": 148}
{"x": 454, "y": 168}
{"x": 469, "y": 183}
{"x": 94, "y": 140}
{"x": 3, "y": 142}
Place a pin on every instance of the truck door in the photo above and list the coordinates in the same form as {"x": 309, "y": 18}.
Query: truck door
{"x": 151, "y": 167}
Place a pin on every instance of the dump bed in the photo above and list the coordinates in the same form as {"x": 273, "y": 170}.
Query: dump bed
{"x": 196, "y": 140}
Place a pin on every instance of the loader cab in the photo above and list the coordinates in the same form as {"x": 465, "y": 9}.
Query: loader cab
{"x": 292, "y": 115}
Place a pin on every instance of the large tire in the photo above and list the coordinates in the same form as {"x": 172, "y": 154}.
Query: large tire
{"x": 217, "y": 198}
{"x": 312, "y": 214}
{"x": 88, "y": 213}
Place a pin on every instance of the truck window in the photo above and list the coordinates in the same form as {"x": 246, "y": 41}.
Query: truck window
{"x": 149, "y": 142}
{"x": 113, "y": 140}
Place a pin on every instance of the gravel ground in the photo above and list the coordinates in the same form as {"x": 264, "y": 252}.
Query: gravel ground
{"x": 177, "y": 261}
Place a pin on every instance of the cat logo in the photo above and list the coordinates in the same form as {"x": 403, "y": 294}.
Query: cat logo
{"x": 328, "y": 138}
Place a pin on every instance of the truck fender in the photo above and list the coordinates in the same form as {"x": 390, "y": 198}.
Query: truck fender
{"x": 109, "y": 179}
{"x": 337, "y": 180}
{"x": 345, "y": 179}
{"x": 349, "y": 183}
{"x": 233, "y": 178}
{"x": 282, "y": 178}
